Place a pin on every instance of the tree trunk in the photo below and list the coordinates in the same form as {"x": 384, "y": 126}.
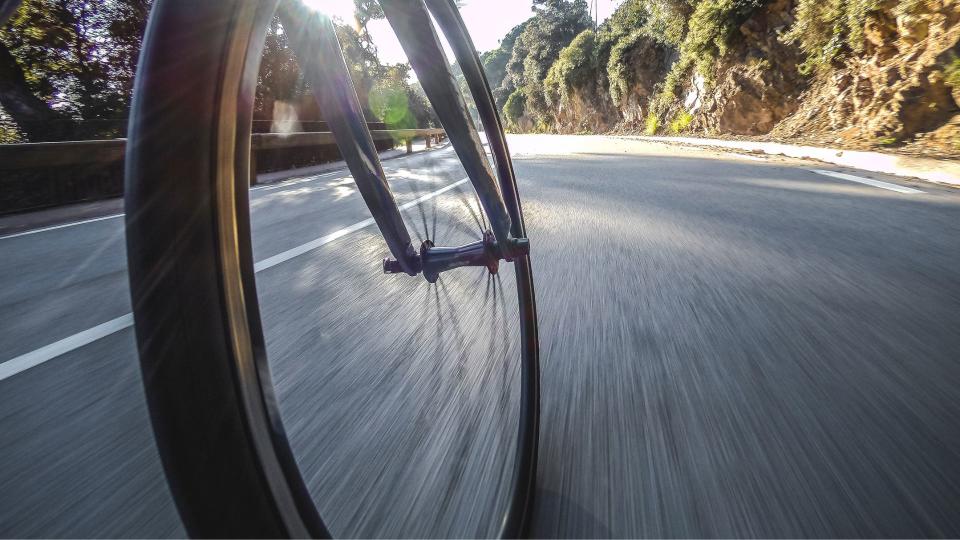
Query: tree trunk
{"x": 31, "y": 114}
{"x": 7, "y": 7}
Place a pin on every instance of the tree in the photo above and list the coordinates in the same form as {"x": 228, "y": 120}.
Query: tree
{"x": 279, "y": 78}
{"x": 399, "y": 104}
{"x": 76, "y": 59}
{"x": 365, "y": 11}
{"x": 495, "y": 64}
{"x": 28, "y": 112}
{"x": 384, "y": 91}
{"x": 67, "y": 67}
{"x": 554, "y": 25}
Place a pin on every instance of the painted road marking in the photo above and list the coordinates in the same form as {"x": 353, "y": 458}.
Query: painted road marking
{"x": 271, "y": 187}
{"x": 867, "y": 181}
{"x": 34, "y": 358}
{"x": 314, "y": 244}
{"x": 114, "y": 216}
{"x": 71, "y": 224}
{"x": 295, "y": 181}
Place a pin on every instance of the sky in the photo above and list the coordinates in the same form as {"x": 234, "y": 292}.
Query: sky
{"x": 488, "y": 22}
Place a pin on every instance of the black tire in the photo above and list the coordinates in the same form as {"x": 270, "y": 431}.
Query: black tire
{"x": 217, "y": 425}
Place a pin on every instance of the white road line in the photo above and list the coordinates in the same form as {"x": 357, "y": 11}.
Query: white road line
{"x": 35, "y": 231}
{"x": 279, "y": 185}
{"x": 286, "y": 183}
{"x": 867, "y": 181}
{"x": 114, "y": 216}
{"x": 34, "y": 358}
{"x": 314, "y": 244}
{"x": 319, "y": 176}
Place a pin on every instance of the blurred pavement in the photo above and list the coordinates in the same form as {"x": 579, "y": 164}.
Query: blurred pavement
{"x": 731, "y": 346}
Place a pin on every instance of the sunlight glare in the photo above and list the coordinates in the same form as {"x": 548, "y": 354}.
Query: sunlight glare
{"x": 335, "y": 9}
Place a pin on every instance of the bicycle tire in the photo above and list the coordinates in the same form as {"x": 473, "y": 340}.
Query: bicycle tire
{"x": 201, "y": 346}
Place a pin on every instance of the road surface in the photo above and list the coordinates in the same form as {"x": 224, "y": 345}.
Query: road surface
{"x": 731, "y": 346}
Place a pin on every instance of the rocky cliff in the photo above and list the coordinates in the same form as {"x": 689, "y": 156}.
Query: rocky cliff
{"x": 889, "y": 75}
{"x": 898, "y": 90}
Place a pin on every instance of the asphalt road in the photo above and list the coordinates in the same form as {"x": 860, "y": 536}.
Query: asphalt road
{"x": 731, "y": 346}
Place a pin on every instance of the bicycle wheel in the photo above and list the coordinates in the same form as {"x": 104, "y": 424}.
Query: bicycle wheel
{"x": 203, "y": 357}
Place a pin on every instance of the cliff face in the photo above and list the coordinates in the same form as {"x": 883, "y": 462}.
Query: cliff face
{"x": 589, "y": 106}
{"x": 896, "y": 90}
{"x": 902, "y": 85}
{"x": 758, "y": 81}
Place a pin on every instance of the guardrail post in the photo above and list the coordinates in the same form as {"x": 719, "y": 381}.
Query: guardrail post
{"x": 253, "y": 166}
{"x": 428, "y": 137}
{"x": 409, "y": 146}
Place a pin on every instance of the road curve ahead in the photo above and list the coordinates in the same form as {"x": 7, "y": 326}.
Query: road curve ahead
{"x": 731, "y": 346}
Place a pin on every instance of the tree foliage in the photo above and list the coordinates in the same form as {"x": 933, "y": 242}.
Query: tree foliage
{"x": 576, "y": 66}
{"x": 399, "y": 104}
{"x": 553, "y": 26}
{"x": 67, "y": 69}
{"x": 77, "y": 59}
{"x": 495, "y": 64}
{"x": 825, "y": 30}
{"x": 515, "y": 107}
{"x": 549, "y": 60}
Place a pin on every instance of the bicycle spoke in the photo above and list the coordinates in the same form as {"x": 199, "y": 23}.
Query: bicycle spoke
{"x": 483, "y": 218}
{"x": 423, "y": 215}
{"x": 448, "y": 17}
{"x": 463, "y": 199}
{"x": 411, "y": 23}
{"x": 433, "y": 208}
{"x": 314, "y": 40}
{"x": 416, "y": 384}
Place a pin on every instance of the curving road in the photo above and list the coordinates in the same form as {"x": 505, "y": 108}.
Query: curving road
{"x": 731, "y": 346}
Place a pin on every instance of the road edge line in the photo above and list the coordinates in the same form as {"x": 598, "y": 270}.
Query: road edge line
{"x": 36, "y": 357}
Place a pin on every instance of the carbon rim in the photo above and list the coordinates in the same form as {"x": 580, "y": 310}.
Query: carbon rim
{"x": 193, "y": 287}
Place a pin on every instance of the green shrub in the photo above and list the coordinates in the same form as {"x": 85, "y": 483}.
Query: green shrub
{"x": 515, "y": 106}
{"x": 711, "y": 27}
{"x": 9, "y": 134}
{"x": 667, "y": 20}
{"x": 951, "y": 73}
{"x": 619, "y": 73}
{"x": 553, "y": 27}
{"x": 653, "y": 124}
{"x": 575, "y": 67}
{"x": 825, "y": 30}
{"x": 681, "y": 122}
{"x": 887, "y": 141}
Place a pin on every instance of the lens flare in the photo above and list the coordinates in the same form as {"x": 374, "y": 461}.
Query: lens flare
{"x": 335, "y": 9}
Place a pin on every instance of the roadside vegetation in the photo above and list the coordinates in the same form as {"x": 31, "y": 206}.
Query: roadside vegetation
{"x": 67, "y": 68}
{"x": 857, "y": 72}
{"x": 743, "y": 67}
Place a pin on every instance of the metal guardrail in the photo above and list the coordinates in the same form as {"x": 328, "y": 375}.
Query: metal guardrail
{"x": 271, "y": 141}
{"x": 57, "y": 154}
{"x": 47, "y": 174}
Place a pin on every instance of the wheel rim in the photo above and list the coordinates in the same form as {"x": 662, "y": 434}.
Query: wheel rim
{"x": 188, "y": 228}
